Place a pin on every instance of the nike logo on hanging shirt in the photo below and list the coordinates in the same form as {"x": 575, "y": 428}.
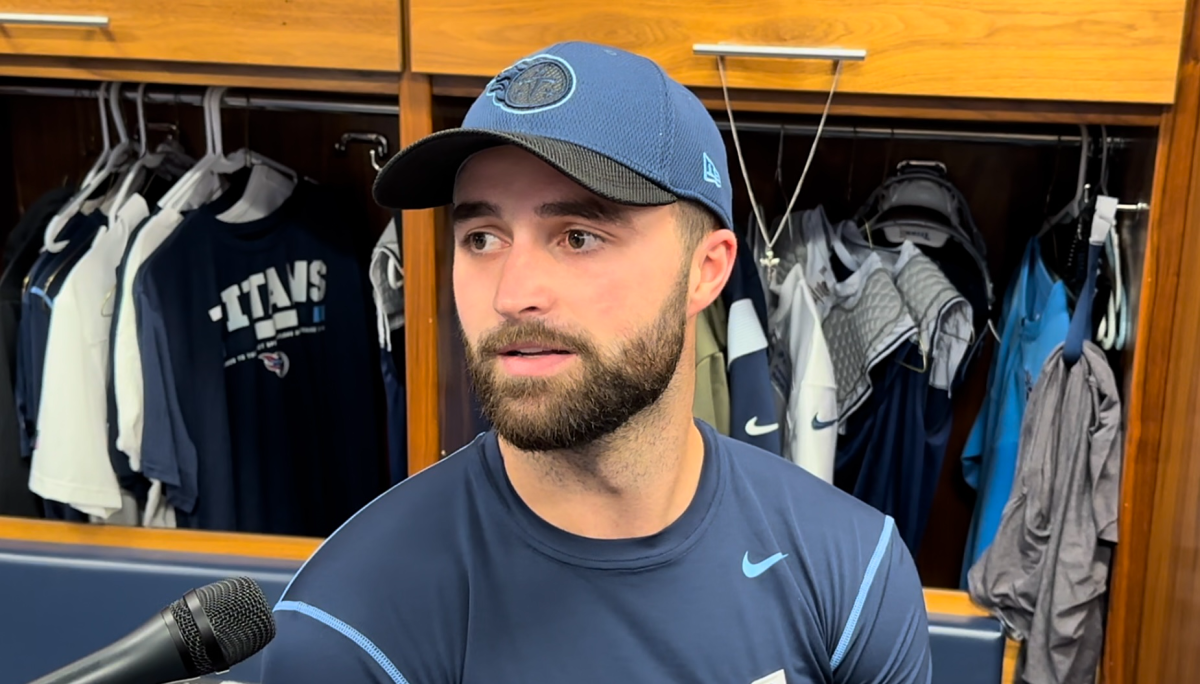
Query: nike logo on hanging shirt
{"x": 753, "y": 570}
{"x": 754, "y": 429}
{"x": 818, "y": 424}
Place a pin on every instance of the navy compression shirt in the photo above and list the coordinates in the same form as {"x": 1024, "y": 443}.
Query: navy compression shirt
{"x": 769, "y": 576}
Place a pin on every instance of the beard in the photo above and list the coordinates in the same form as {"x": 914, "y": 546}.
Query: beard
{"x": 584, "y": 404}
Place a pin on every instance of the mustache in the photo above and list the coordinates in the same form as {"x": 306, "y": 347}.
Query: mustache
{"x": 532, "y": 332}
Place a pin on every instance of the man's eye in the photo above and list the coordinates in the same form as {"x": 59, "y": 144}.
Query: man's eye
{"x": 481, "y": 242}
{"x": 580, "y": 240}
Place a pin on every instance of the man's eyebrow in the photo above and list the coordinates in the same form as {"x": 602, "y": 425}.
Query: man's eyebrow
{"x": 470, "y": 210}
{"x": 594, "y": 210}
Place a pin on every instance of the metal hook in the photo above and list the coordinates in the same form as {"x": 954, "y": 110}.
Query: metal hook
{"x": 378, "y": 154}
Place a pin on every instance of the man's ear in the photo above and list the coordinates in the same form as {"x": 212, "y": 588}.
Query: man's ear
{"x": 712, "y": 262}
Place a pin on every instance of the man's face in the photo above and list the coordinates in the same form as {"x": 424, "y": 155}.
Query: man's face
{"x": 573, "y": 309}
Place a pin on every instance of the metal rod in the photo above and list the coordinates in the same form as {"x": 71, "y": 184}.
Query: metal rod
{"x": 779, "y": 52}
{"x": 868, "y": 132}
{"x": 234, "y": 100}
{"x": 1139, "y": 206}
{"x": 58, "y": 20}
{"x": 285, "y": 102}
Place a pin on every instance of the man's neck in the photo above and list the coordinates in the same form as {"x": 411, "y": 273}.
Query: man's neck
{"x": 634, "y": 484}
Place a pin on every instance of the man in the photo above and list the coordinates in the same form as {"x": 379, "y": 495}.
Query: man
{"x": 599, "y": 533}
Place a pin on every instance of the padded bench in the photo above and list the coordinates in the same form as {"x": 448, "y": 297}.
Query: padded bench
{"x": 63, "y": 601}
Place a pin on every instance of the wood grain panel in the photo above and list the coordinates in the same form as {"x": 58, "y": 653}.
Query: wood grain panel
{"x": 420, "y": 291}
{"x": 1158, "y": 413}
{"x": 198, "y": 74}
{"x": 888, "y": 106}
{"x": 1169, "y": 500}
{"x": 1076, "y": 50}
{"x": 189, "y": 541}
{"x": 326, "y": 34}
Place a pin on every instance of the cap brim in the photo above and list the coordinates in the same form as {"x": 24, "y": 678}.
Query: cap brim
{"x": 422, "y": 175}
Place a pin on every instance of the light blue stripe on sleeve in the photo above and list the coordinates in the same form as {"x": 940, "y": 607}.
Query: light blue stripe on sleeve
{"x": 865, "y": 588}
{"x": 347, "y": 631}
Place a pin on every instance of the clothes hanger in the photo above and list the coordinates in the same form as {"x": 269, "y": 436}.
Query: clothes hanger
{"x": 113, "y": 165}
{"x": 1072, "y": 209}
{"x": 55, "y": 224}
{"x": 269, "y": 186}
{"x": 185, "y": 188}
{"x": 146, "y": 160}
{"x": 1113, "y": 327}
{"x": 102, "y": 98}
{"x": 111, "y": 159}
{"x": 1111, "y": 332}
{"x": 1104, "y": 219}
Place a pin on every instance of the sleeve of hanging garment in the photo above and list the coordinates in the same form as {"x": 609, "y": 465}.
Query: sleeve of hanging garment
{"x": 20, "y": 392}
{"x": 886, "y": 639}
{"x": 168, "y": 454}
{"x": 70, "y": 461}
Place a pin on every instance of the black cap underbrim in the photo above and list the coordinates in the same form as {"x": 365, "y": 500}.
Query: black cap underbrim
{"x": 422, "y": 175}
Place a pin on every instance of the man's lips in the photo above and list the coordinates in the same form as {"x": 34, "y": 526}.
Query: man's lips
{"x": 531, "y": 350}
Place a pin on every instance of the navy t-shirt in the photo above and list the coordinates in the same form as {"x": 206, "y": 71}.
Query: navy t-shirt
{"x": 260, "y": 368}
{"x": 769, "y": 575}
{"x": 45, "y": 279}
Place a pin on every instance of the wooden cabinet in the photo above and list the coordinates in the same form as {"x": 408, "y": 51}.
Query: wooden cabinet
{"x": 319, "y": 34}
{"x": 1065, "y": 50}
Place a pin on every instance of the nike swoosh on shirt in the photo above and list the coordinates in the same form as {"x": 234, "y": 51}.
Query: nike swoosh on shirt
{"x": 818, "y": 424}
{"x": 753, "y": 570}
{"x": 754, "y": 429}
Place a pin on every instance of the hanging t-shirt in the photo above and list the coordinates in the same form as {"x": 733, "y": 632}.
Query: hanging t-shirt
{"x": 1046, "y": 573}
{"x": 21, "y": 249}
{"x": 1035, "y": 320}
{"x": 769, "y": 575}
{"x": 45, "y": 278}
{"x": 812, "y": 399}
{"x": 261, "y": 373}
{"x": 754, "y": 408}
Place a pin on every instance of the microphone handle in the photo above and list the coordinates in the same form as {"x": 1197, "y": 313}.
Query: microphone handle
{"x": 148, "y": 655}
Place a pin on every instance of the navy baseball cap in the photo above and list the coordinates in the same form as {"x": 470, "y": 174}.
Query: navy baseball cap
{"x": 613, "y": 121}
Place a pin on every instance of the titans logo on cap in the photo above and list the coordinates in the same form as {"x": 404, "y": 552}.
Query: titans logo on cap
{"x": 533, "y": 85}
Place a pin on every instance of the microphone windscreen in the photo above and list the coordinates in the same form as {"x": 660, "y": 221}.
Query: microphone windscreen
{"x": 240, "y": 619}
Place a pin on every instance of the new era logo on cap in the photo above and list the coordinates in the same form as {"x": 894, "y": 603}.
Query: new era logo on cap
{"x": 612, "y": 120}
{"x": 711, "y": 173}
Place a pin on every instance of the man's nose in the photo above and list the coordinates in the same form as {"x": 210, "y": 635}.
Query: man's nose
{"x": 525, "y": 286}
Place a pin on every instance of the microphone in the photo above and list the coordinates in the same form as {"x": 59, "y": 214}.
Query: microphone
{"x": 208, "y": 631}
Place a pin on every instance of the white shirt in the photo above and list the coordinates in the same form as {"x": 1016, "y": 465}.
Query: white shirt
{"x": 71, "y": 461}
{"x": 812, "y": 402}
{"x": 127, "y": 360}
